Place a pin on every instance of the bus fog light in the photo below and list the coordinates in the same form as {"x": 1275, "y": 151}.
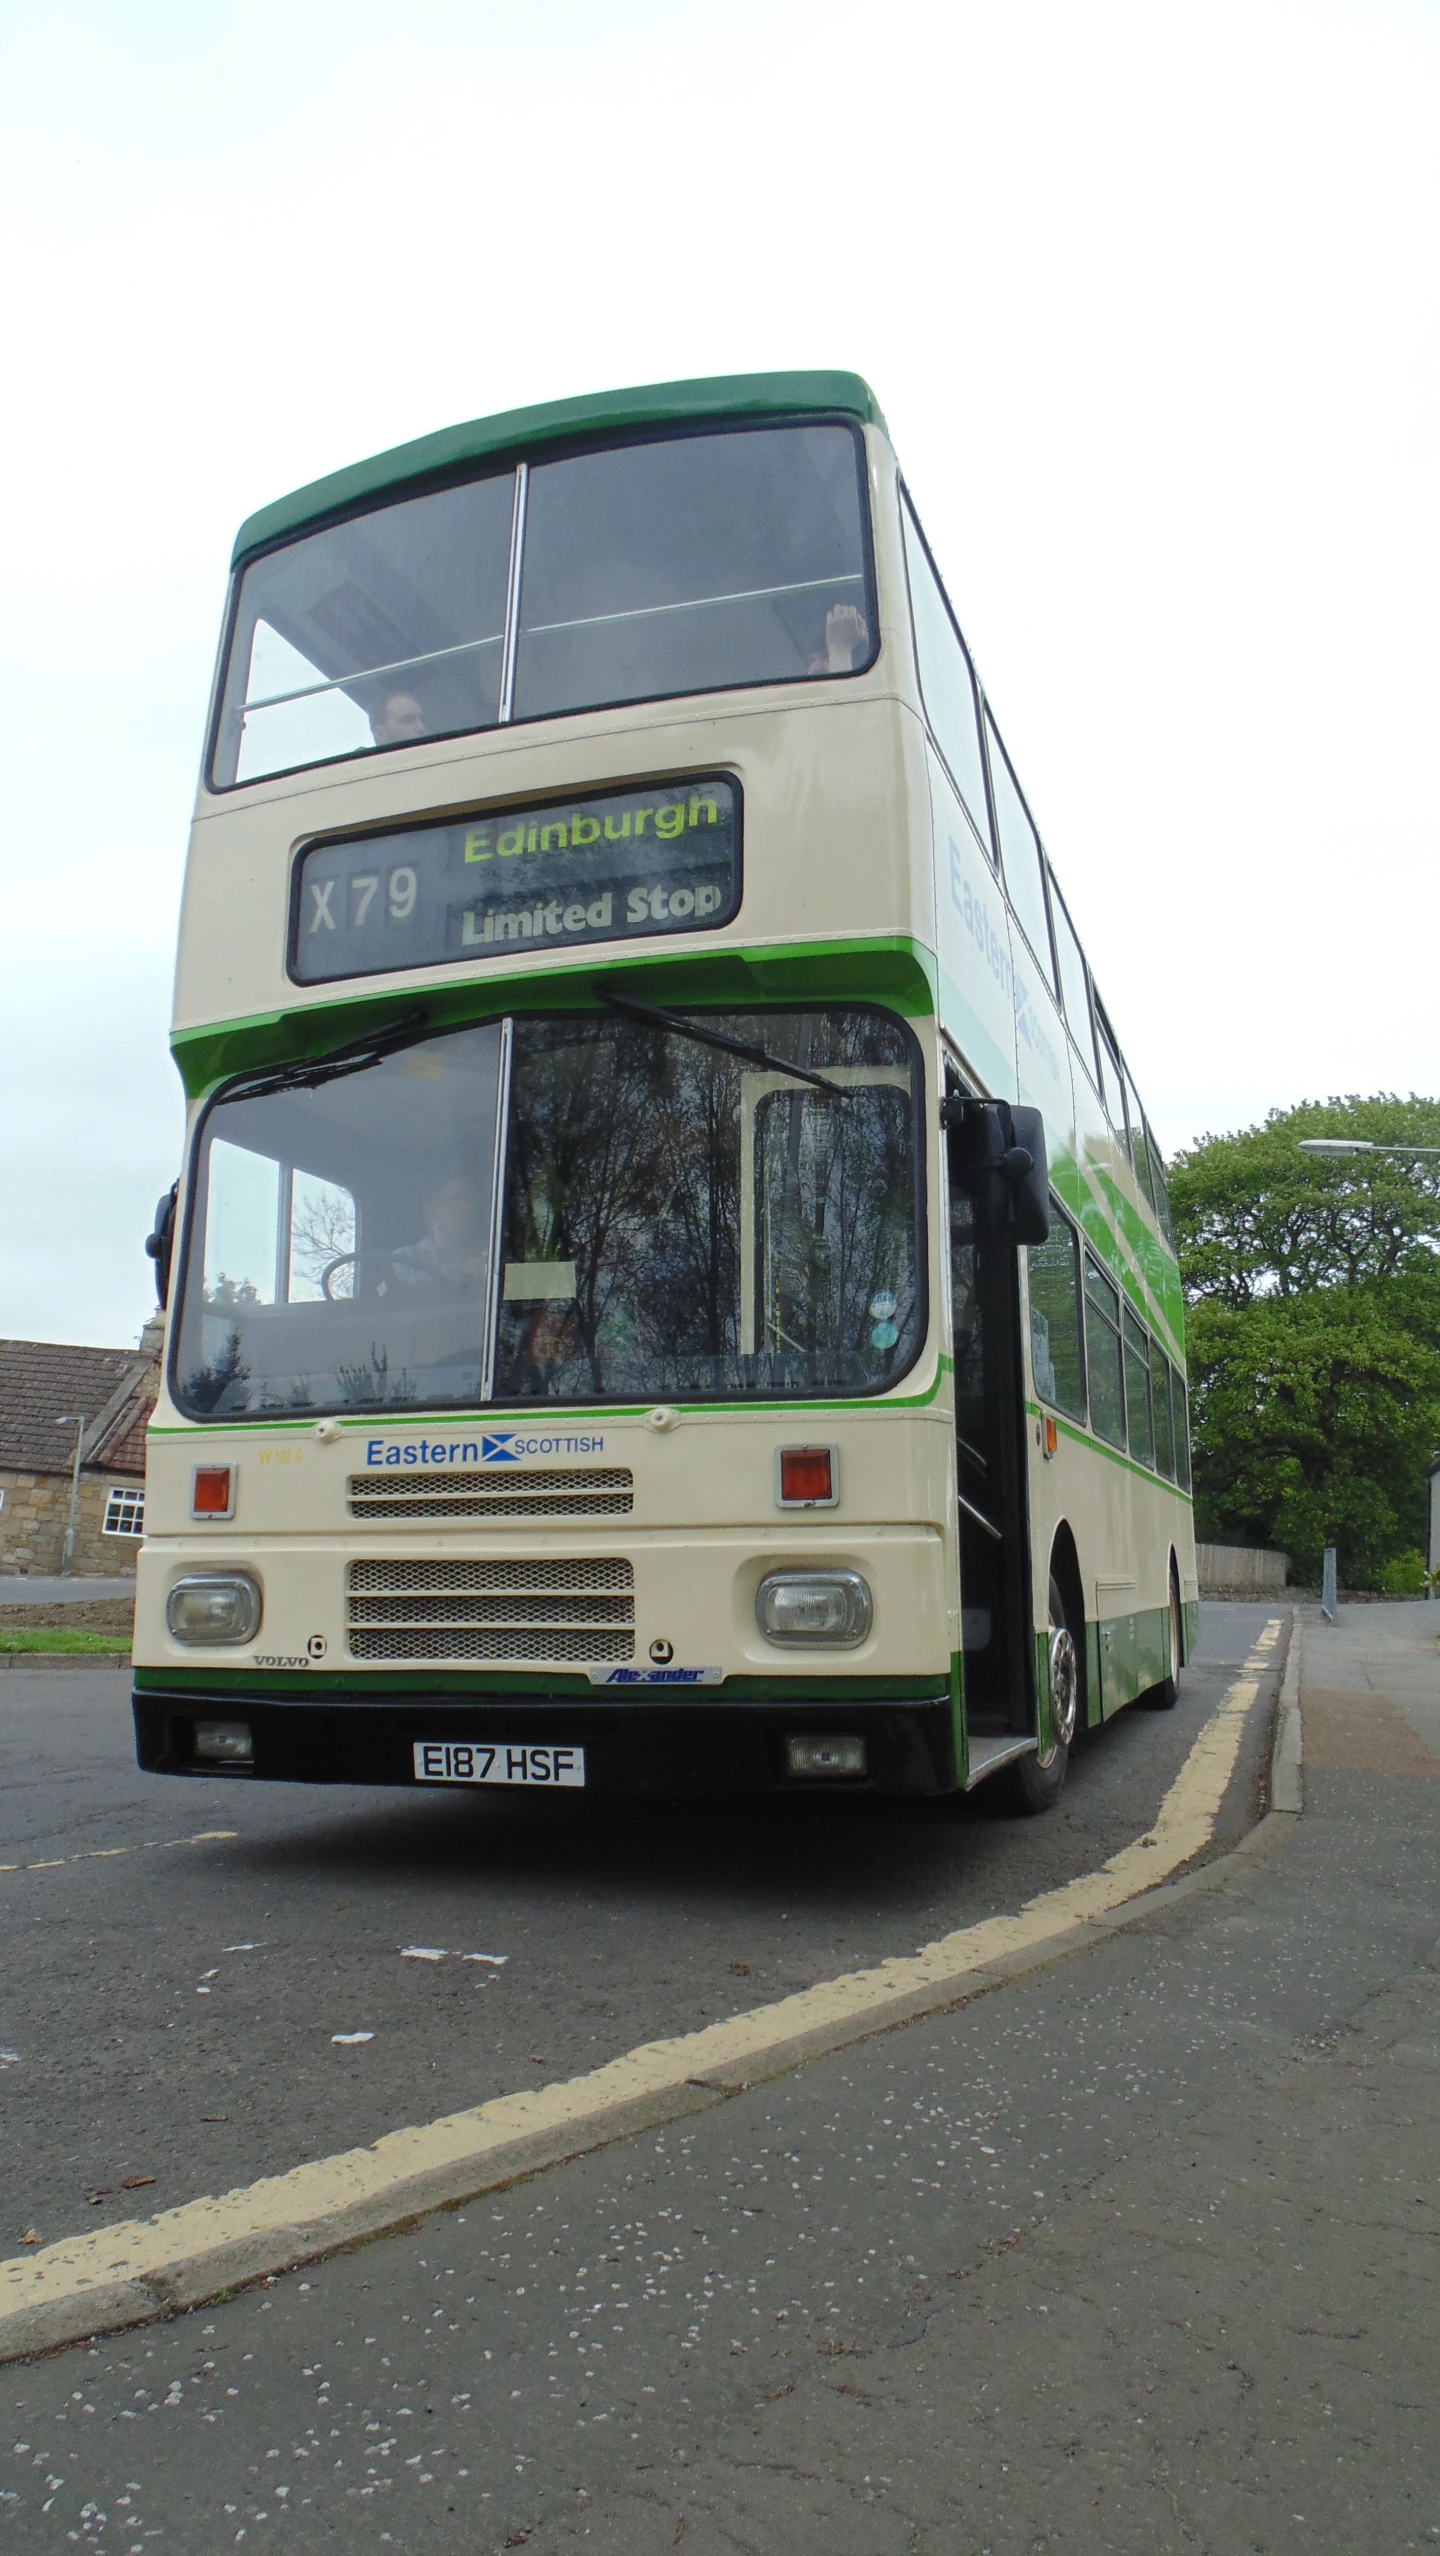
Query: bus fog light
{"x": 824, "y": 1755}
{"x": 829, "y": 1607}
{"x": 224, "y": 1743}
{"x": 214, "y": 1607}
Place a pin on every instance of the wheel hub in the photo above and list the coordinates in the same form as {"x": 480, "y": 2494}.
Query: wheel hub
{"x": 1064, "y": 1686}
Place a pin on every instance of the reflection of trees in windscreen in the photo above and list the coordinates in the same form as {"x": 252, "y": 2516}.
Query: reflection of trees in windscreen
{"x": 836, "y": 1189}
{"x": 625, "y": 1160}
{"x": 622, "y": 1160}
{"x": 322, "y": 1230}
{"x": 222, "y": 1380}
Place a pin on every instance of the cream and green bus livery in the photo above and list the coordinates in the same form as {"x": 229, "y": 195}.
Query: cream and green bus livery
{"x": 670, "y": 1287}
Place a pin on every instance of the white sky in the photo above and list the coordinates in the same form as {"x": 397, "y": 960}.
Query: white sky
{"x": 1147, "y": 293}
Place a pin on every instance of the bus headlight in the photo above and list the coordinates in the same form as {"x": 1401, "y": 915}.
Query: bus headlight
{"x": 823, "y": 1607}
{"x": 214, "y": 1606}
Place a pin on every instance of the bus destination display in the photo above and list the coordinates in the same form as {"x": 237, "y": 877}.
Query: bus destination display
{"x": 609, "y": 867}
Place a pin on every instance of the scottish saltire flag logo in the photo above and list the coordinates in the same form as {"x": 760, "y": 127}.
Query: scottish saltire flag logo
{"x": 496, "y": 1447}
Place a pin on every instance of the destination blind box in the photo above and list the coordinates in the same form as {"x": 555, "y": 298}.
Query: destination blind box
{"x": 495, "y": 883}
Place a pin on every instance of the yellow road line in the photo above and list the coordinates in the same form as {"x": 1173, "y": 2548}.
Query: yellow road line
{"x": 122, "y": 2274}
{"x": 104, "y": 1854}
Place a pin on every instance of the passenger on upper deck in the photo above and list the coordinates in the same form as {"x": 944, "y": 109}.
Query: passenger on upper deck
{"x": 847, "y": 636}
{"x": 397, "y": 719}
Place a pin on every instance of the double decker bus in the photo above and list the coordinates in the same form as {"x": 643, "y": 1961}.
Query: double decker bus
{"x": 672, "y": 1286}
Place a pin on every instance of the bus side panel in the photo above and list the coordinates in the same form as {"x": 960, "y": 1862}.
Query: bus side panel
{"x": 1042, "y": 1051}
{"x": 977, "y": 1006}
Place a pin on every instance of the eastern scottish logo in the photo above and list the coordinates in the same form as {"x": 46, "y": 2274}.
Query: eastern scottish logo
{"x": 493, "y": 1446}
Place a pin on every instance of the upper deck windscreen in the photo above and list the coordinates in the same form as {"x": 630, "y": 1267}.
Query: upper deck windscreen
{"x": 694, "y": 563}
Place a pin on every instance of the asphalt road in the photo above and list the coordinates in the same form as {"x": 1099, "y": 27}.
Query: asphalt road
{"x": 1130, "y": 2258}
{"x": 167, "y": 2008}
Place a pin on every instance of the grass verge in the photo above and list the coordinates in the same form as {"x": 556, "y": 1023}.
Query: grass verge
{"x": 31, "y": 1638}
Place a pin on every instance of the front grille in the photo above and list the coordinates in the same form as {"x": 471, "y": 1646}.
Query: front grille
{"x": 554, "y": 1610}
{"x": 526, "y": 1491}
{"x": 581, "y": 1576}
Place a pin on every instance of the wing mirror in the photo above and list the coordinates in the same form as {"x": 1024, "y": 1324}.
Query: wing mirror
{"x": 160, "y": 1244}
{"x": 997, "y": 1152}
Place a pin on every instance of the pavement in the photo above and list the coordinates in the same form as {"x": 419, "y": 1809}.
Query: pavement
{"x": 1130, "y": 2253}
{"x": 38, "y": 1592}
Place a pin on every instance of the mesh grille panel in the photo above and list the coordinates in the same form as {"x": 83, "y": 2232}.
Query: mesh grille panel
{"x": 575, "y": 1576}
{"x": 578, "y": 1608}
{"x": 535, "y": 1491}
{"x": 492, "y": 1610}
{"x": 477, "y": 1642}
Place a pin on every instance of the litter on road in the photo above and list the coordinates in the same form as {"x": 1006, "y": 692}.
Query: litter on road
{"x": 350, "y": 2037}
{"x": 438, "y": 1952}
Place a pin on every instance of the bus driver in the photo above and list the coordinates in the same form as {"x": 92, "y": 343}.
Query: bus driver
{"x": 452, "y": 1248}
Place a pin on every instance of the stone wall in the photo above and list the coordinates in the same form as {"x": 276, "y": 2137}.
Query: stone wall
{"x": 32, "y": 1526}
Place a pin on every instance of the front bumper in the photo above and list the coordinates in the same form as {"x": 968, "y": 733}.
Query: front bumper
{"x": 639, "y": 1747}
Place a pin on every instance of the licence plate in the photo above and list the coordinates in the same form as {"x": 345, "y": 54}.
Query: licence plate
{"x": 477, "y": 1762}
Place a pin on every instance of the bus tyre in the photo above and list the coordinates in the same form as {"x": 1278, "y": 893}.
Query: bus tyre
{"x": 1034, "y": 1784}
{"x": 1164, "y": 1697}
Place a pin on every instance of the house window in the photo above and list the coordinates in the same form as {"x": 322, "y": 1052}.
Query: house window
{"x": 124, "y": 1512}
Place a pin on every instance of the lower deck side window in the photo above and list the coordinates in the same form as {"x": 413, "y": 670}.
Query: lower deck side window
{"x": 1056, "y": 1355}
{"x": 1104, "y": 1356}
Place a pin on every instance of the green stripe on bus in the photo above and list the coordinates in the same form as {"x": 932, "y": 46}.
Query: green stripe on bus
{"x": 603, "y": 1414}
{"x": 1113, "y": 1455}
{"x": 892, "y": 970}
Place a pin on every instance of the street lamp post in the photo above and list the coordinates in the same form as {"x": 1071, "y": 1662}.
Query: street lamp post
{"x": 78, "y": 1421}
{"x": 1359, "y": 1145}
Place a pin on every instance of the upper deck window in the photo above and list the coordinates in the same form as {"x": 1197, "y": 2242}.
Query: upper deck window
{"x": 947, "y": 679}
{"x": 1019, "y": 852}
{"x": 696, "y": 563}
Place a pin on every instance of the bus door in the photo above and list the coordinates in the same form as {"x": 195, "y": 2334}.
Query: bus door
{"x": 998, "y": 1199}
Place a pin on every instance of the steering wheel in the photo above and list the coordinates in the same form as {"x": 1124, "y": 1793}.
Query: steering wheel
{"x": 416, "y": 1274}
{"x": 350, "y": 1260}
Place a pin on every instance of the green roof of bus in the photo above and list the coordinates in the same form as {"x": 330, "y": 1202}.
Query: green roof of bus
{"x": 516, "y": 430}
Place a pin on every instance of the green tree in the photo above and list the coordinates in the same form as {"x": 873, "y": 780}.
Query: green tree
{"x": 1254, "y": 1217}
{"x": 1314, "y": 1332}
{"x": 1314, "y": 1420}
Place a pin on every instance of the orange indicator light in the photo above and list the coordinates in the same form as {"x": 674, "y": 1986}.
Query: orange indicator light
{"x": 806, "y": 1474}
{"x": 213, "y": 1495}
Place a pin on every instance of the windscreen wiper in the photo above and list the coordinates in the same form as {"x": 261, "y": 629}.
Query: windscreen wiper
{"x": 684, "y": 1027}
{"x": 353, "y": 1058}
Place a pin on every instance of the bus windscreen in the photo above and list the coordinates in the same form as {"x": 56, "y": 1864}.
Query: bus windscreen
{"x": 696, "y": 563}
{"x": 673, "y": 1219}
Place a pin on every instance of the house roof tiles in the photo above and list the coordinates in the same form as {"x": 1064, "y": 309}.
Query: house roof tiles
{"x": 39, "y": 1379}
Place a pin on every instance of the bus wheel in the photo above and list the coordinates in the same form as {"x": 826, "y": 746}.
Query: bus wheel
{"x": 1035, "y": 1783}
{"x": 1164, "y": 1697}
